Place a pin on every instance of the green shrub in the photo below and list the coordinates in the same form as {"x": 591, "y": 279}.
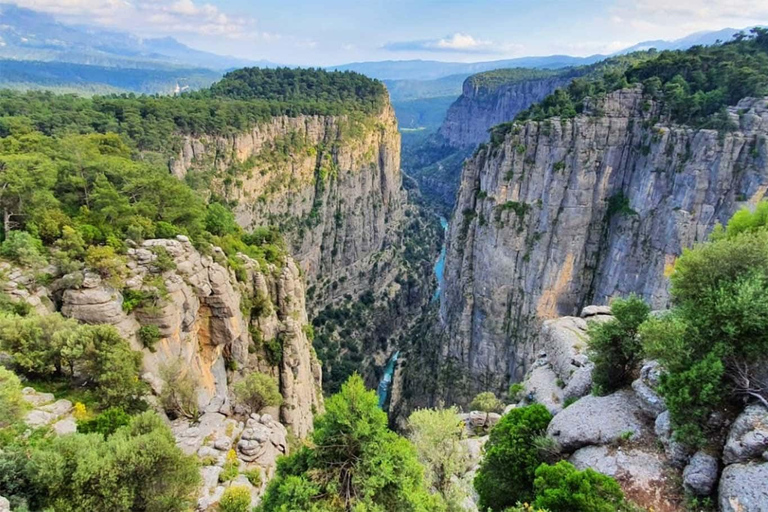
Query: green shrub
{"x": 506, "y": 472}
{"x": 615, "y": 347}
{"x": 110, "y": 266}
{"x": 486, "y": 402}
{"x": 235, "y": 499}
{"x": 563, "y": 488}
{"x": 257, "y": 391}
{"x": 380, "y": 468}
{"x": 179, "y": 394}
{"x": 149, "y": 335}
{"x": 105, "y": 423}
{"x": 274, "y": 350}
{"x": 712, "y": 342}
{"x": 163, "y": 260}
{"x": 145, "y": 468}
{"x": 12, "y": 404}
{"x": 231, "y": 467}
{"x": 22, "y": 248}
{"x": 437, "y": 436}
{"x": 253, "y": 476}
{"x": 515, "y": 392}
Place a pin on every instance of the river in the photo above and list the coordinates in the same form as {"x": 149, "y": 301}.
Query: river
{"x": 440, "y": 263}
{"x": 386, "y": 381}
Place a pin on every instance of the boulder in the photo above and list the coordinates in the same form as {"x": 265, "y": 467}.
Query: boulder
{"x": 744, "y": 488}
{"x": 65, "y": 426}
{"x": 677, "y": 453}
{"x": 595, "y": 311}
{"x": 651, "y": 403}
{"x": 542, "y": 386}
{"x": 5, "y": 505}
{"x": 38, "y": 418}
{"x": 640, "y": 471}
{"x": 595, "y": 420}
{"x": 36, "y": 399}
{"x": 700, "y": 475}
{"x": 748, "y": 437}
{"x": 580, "y": 383}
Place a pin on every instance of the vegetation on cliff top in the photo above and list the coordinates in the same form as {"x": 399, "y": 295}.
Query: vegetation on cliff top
{"x": 242, "y": 99}
{"x": 694, "y": 86}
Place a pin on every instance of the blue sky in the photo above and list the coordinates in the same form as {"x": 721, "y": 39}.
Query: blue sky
{"x": 338, "y": 31}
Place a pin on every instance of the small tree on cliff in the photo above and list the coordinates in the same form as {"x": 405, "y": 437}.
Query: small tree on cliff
{"x": 355, "y": 463}
{"x": 257, "y": 391}
{"x": 506, "y": 473}
{"x": 615, "y": 346}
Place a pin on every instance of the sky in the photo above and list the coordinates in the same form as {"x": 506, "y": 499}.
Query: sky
{"x": 328, "y": 32}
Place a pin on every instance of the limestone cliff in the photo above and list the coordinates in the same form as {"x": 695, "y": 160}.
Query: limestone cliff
{"x": 331, "y": 183}
{"x": 565, "y": 213}
{"x": 479, "y": 108}
{"x": 207, "y": 323}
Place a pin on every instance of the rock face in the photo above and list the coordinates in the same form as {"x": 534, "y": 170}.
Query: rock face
{"x": 479, "y": 107}
{"x": 565, "y": 213}
{"x": 205, "y": 326}
{"x": 743, "y": 488}
{"x": 600, "y": 420}
{"x": 748, "y": 437}
{"x": 331, "y": 184}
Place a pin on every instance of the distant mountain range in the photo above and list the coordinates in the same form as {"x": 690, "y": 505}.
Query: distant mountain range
{"x": 30, "y": 35}
{"x": 37, "y": 51}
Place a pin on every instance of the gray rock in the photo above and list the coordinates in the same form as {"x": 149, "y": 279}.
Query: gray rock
{"x": 677, "y": 453}
{"x": 640, "y": 471}
{"x": 38, "y": 418}
{"x": 58, "y": 408}
{"x": 650, "y": 374}
{"x": 650, "y": 401}
{"x": 700, "y": 475}
{"x": 748, "y": 437}
{"x": 744, "y": 488}
{"x": 5, "y": 505}
{"x": 580, "y": 383}
{"x": 36, "y": 399}
{"x": 542, "y": 386}
{"x": 65, "y": 426}
{"x": 595, "y": 310}
{"x": 595, "y": 420}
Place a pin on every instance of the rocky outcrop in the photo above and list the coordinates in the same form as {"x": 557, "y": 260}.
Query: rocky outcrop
{"x": 331, "y": 184}
{"x": 47, "y": 411}
{"x": 565, "y": 213}
{"x": 748, "y": 437}
{"x": 253, "y": 446}
{"x": 479, "y": 108}
{"x": 599, "y": 420}
{"x": 743, "y": 488}
{"x": 208, "y": 324}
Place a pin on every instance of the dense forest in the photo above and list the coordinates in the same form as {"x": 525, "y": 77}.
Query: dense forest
{"x": 694, "y": 85}
{"x": 240, "y": 100}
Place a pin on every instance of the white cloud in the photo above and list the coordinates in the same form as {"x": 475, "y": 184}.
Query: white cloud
{"x": 455, "y": 43}
{"x": 685, "y": 16}
{"x": 165, "y": 17}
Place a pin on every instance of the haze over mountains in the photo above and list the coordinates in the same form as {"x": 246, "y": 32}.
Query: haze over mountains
{"x": 29, "y": 35}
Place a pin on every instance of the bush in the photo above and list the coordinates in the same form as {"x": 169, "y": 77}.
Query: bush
{"x": 110, "y": 266}
{"x": 235, "y": 499}
{"x": 713, "y": 341}
{"x": 35, "y": 343}
{"x": 22, "y": 248}
{"x": 615, "y": 346}
{"x": 220, "y": 221}
{"x": 12, "y": 404}
{"x": 437, "y": 435}
{"x": 257, "y": 391}
{"x": 253, "y": 476}
{"x": 149, "y": 335}
{"x": 486, "y": 402}
{"x": 562, "y": 488}
{"x": 354, "y": 463}
{"x": 139, "y": 467}
{"x": 231, "y": 467}
{"x": 507, "y": 471}
{"x": 179, "y": 394}
{"x": 105, "y": 423}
